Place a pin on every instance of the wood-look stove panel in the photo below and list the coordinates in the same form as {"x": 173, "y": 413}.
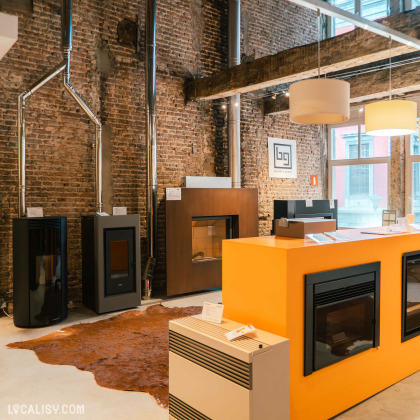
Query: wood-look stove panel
{"x": 183, "y": 274}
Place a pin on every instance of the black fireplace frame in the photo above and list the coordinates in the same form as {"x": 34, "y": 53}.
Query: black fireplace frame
{"x": 405, "y": 337}
{"x": 328, "y": 280}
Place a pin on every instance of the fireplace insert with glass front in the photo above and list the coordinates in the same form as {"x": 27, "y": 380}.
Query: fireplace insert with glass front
{"x": 410, "y": 296}
{"x": 207, "y": 236}
{"x": 341, "y": 314}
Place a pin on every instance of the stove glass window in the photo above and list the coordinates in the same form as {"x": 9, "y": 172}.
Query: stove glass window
{"x": 343, "y": 329}
{"x": 411, "y": 297}
{"x": 119, "y": 259}
{"x": 207, "y": 236}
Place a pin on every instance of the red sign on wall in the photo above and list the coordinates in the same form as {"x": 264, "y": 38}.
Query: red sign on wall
{"x": 314, "y": 180}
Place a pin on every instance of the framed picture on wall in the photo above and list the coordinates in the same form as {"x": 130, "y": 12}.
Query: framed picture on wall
{"x": 282, "y": 158}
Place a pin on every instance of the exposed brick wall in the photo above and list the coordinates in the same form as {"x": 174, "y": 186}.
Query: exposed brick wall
{"x": 397, "y": 178}
{"x": 192, "y": 137}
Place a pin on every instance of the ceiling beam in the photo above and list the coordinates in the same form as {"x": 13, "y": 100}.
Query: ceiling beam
{"x": 365, "y": 87}
{"x": 352, "y": 49}
{"x": 16, "y": 6}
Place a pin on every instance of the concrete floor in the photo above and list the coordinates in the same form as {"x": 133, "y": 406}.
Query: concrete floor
{"x": 28, "y": 384}
{"x": 25, "y": 380}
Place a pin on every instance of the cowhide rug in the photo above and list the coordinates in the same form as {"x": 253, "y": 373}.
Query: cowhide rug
{"x": 128, "y": 352}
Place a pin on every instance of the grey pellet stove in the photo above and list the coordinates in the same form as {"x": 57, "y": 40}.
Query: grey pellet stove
{"x": 111, "y": 262}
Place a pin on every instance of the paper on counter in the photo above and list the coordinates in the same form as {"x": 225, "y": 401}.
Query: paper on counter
{"x": 319, "y": 238}
{"x": 383, "y": 231}
{"x": 212, "y": 312}
{"x": 339, "y": 236}
{"x": 231, "y": 335}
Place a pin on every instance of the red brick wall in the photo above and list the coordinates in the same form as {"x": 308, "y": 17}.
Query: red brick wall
{"x": 192, "y": 139}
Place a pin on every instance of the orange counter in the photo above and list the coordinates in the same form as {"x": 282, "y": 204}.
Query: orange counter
{"x": 263, "y": 284}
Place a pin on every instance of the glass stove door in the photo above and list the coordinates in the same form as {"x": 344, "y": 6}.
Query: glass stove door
{"x": 119, "y": 261}
{"x": 343, "y": 329}
{"x": 412, "y": 303}
{"x": 45, "y": 285}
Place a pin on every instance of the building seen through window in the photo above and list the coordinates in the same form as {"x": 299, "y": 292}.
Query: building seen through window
{"x": 369, "y": 9}
{"x": 413, "y": 175}
{"x": 359, "y": 175}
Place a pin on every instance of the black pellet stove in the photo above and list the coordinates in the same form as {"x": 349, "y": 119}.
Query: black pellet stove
{"x": 111, "y": 262}
{"x": 39, "y": 271}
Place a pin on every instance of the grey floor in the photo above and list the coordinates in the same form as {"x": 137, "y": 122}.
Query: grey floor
{"x": 27, "y": 384}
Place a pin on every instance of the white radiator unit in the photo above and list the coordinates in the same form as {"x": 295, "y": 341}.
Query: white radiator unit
{"x": 213, "y": 378}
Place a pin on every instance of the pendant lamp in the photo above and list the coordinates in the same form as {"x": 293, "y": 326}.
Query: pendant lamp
{"x": 319, "y": 101}
{"x": 393, "y": 117}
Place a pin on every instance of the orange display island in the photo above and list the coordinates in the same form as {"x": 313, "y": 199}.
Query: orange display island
{"x": 264, "y": 284}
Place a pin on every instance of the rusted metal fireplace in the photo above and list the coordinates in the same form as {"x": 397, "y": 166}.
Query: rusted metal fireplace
{"x": 196, "y": 226}
{"x": 208, "y": 234}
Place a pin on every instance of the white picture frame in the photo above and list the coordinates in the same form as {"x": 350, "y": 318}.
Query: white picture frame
{"x": 282, "y": 162}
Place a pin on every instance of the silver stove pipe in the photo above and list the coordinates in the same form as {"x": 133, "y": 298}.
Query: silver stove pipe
{"x": 151, "y": 193}
{"x": 234, "y": 103}
{"x": 66, "y": 31}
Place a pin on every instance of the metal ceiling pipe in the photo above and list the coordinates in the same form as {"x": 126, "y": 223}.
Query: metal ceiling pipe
{"x": 22, "y": 133}
{"x": 234, "y": 102}
{"x": 66, "y": 43}
{"x": 151, "y": 156}
{"x": 66, "y": 25}
{"x": 66, "y": 29}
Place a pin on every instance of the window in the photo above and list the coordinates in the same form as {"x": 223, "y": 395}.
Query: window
{"x": 358, "y": 175}
{"x": 369, "y": 9}
{"x": 411, "y": 4}
{"x": 338, "y": 26}
{"x": 413, "y": 175}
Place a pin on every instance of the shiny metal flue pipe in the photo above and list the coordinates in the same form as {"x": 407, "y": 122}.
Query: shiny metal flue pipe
{"x": 66, "y": 39}
{"x": 151, "y": 154}
{"x": 22, "y": 133}
{"x": 234, "y": 102}
{"x": 67, "y": 46}
{"x": 66, "y": 25}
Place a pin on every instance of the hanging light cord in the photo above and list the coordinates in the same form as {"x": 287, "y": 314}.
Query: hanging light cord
{"x": 319, "y": 41}
{"x": 390, "y": 71}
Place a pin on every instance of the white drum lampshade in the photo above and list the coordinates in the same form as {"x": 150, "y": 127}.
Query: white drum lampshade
{"x": 394, "y": 117}
{"x": 319, "y": 101}
{"x": 8, "y": 32}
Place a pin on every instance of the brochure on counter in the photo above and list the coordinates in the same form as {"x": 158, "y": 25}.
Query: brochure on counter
{"x": 328, "y": 237}
{"x": 388, "y": 230}
{"x": 319, "y": 238}
{"x": 339, "y": 236}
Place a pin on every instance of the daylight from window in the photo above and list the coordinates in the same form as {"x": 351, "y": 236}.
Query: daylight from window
{"x": 369, "y": 9}
{"x": 359, "y": 175}
{"x": 414, "y": 174}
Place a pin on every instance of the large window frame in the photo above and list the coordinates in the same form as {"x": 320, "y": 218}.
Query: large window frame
{"x": 409, "y": 160}
{"x": 356, "y": 120}
{"x": 393, "y": 6}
